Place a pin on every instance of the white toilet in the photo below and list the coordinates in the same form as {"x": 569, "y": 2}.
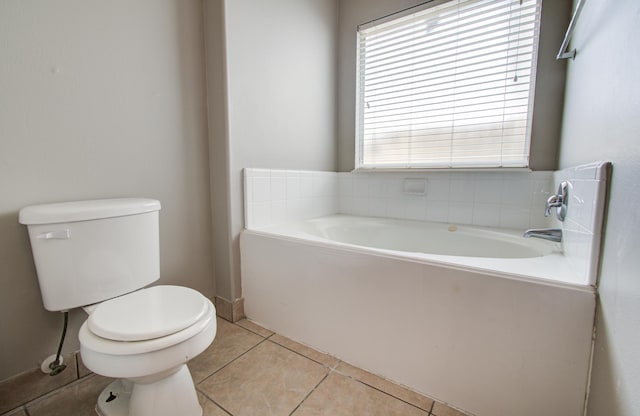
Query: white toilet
{"x": 99, "y": 255}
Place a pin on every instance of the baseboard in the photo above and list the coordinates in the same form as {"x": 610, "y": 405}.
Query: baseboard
{"x": 231, "y": 311}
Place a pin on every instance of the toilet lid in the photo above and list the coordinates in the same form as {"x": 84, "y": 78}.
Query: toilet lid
{"x": 148, "y": 313}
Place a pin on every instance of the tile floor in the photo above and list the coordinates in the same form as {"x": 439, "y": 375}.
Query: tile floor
{"x": 250, "y": 371}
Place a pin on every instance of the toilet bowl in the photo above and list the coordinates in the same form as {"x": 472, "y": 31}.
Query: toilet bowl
{"x": 146, "y": 338}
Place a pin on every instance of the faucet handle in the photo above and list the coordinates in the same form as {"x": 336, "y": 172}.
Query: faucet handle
{"x": 558, "y": 201}
{"x": 554, "y": 201}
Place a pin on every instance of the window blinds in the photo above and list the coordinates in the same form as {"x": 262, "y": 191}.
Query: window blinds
{"x": 448, "y": 86}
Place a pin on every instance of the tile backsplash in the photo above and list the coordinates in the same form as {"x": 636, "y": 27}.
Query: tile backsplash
{"x": 494, "y": 199}
{"x": 272, "y": 196}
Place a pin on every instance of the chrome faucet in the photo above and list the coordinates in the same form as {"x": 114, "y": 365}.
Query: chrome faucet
{"x": 551, "y": 234}
{"x": 559, "y": 202}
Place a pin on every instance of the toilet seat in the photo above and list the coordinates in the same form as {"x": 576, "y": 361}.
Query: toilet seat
{"x": 90, "y": 340}
{"x": 147, "y": 314}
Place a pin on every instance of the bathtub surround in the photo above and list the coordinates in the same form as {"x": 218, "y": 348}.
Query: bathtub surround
{"x": 474, "y": 339}
{"x": 532, "y": 336}
{"x": 514, "y": 200}
{"x": 495, "y": 199}
{"x": 582, "y": 229}
{"x": 275, "y": 196}
{"x": 491, "y": 199}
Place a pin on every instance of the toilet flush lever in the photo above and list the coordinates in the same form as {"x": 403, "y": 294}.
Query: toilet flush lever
{"x": 55, "y": 235}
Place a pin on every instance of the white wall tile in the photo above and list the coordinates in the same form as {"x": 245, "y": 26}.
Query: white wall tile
{"x": 278, "y": 212}
{"x": 261, "y": 188}
{"x": 488, "y": 191}
{"x": 487, "y": 215}
{"x": 490, "y": 199}
{"x": 516, "y": 191}
{"x": 582, "y": 228}
{"x": 514, "y": 217}
{"x": 378, "y": 207}
{"x": 438, "y": 190}
{"x": 306, "y": 184}
{"x": 360, "y": 205}
{"x": 261, "y": 213}
{"x": 439, "y": 211}
{"x": 396, "y": 208}
{"x": 361, "y": 186}
{"x": 415, "y": 208}
{"x": 274, "y": 196}
{"x": 460, "y": 213}
{"x": 278, "y": 188}
{"x": 462, "y": 190}
{"x": 345, "y": 184}
{"x": 293, "y": 186}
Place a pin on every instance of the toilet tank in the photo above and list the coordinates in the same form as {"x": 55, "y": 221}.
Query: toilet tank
{"x": 89, "y": 251}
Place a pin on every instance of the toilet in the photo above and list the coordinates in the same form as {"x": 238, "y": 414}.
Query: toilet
{"x": 100, "y": 255}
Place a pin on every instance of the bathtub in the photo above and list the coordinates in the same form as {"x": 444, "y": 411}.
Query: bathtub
{"x": 481, "y": 319}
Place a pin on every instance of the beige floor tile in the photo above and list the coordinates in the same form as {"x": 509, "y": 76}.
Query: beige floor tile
{"x": 387, "y": 386}
{"x": 16, "y": 412}
{"x": 338, "y": 395}
{"x": 77, "y": 399}
{"x": 231, "y": 342}
{"x": 255, "y": 328}
{"x": 268, "y": 380}
{"x": 32, "y": 384}
{"x": 440, "y": 409}
{"x": 324, "y": 359}
{"x": 83, "y": 371}
{"x": 209, "y": 408}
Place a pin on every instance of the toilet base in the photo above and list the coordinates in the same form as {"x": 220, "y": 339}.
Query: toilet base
{"x": 171, "y": 395}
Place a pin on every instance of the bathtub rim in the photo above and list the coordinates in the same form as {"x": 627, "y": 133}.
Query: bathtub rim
{"x": 431, "y": 260}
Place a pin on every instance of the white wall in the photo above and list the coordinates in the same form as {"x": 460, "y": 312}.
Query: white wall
{"x": 98, "y": 100}
{"x": 601, "y": 122}
{"x": 281, "y": 83}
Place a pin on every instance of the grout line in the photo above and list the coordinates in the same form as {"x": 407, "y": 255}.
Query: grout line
{"x": 311, "y": 392}
{"x": 56, "y": 391}
{"x": 75, "y": 355}
{"x": 227, "y": 364}
{"x": 254, "y": 332}
{"x": 302, "y": 355}
{"x": 389, "y": 394}
{"x": 213, "y": 401}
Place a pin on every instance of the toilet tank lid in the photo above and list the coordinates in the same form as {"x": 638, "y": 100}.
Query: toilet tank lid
{"x": 86, "y": 210}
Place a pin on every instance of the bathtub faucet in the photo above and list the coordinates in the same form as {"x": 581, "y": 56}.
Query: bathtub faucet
{"x": 551, "y": 234}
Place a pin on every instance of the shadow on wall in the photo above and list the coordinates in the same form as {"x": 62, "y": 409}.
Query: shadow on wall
{"x": 21, "y": 311}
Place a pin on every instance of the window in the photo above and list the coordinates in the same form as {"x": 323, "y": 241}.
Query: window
{"x": 448, "y": 86}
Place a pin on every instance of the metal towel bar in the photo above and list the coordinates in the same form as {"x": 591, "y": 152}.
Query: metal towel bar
{"x": 567, "y": 37}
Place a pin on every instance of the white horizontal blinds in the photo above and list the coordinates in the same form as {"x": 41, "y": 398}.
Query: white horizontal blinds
{"x": 449, "y": 86}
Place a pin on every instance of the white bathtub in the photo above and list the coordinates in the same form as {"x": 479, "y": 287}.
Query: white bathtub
{"x": 482, "y": 319}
